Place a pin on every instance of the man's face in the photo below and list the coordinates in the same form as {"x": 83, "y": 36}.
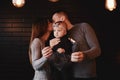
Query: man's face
{"x": 56, "y": 18}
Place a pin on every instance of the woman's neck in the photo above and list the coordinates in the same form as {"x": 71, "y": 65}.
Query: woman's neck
{"x": 45, "y": 36}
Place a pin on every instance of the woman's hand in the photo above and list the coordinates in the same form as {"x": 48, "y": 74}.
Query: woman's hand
{"x": 77, "y": 57}
{"x": 54, "y": 42}
{"x": 47, "y": 52}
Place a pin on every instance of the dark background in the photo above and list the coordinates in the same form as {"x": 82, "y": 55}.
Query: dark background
{"x": 15, "y": 29}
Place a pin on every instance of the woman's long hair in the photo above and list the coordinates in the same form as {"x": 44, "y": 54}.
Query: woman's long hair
{"x": 39, "y": 28}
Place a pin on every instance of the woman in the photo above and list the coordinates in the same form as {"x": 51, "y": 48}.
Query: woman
{"x": 38, "y": 53}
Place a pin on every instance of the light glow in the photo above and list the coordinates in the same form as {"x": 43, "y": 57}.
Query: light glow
{"x": 18, "y": 3}
{"x": 110, "y": 5}
{"x": 53, "y": 0}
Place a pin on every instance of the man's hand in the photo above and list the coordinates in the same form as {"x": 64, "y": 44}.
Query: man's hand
{"x": 77, "y": 56}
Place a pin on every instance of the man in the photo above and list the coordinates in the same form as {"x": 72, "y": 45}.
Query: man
{"x": 86, "y": 50}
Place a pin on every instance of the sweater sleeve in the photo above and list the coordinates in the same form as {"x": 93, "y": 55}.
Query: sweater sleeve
{"x": 37, "y": 60}
{"x": 92, "y": 41}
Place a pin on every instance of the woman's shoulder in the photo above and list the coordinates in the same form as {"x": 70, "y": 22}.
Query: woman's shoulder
{"x": 36, "y": 41}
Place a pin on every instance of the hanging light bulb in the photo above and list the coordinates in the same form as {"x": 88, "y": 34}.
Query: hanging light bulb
{"x": 53, "y": 0}
{"x": 110, "y": 4}
{"x": 18, "y": 3}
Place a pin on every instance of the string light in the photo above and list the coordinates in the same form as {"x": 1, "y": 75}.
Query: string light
{"x": 53, "y": 0}
{"x": 18, "y": 3}
{"x": 110, "y": 5}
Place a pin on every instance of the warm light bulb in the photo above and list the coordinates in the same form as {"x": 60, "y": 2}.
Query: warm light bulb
{"x": 18, "y": 3}
{"x": 53, "y": 0}
{"x": 110, "y": 4}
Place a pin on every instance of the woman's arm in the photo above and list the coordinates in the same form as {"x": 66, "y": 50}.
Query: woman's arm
{"x": 38, "y": 60}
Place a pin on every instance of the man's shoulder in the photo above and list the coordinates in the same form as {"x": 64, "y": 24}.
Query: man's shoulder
{"x": 81, "y": 24}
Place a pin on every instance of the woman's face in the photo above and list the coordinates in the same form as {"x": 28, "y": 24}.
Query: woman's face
{"x": 50, "y": 28}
